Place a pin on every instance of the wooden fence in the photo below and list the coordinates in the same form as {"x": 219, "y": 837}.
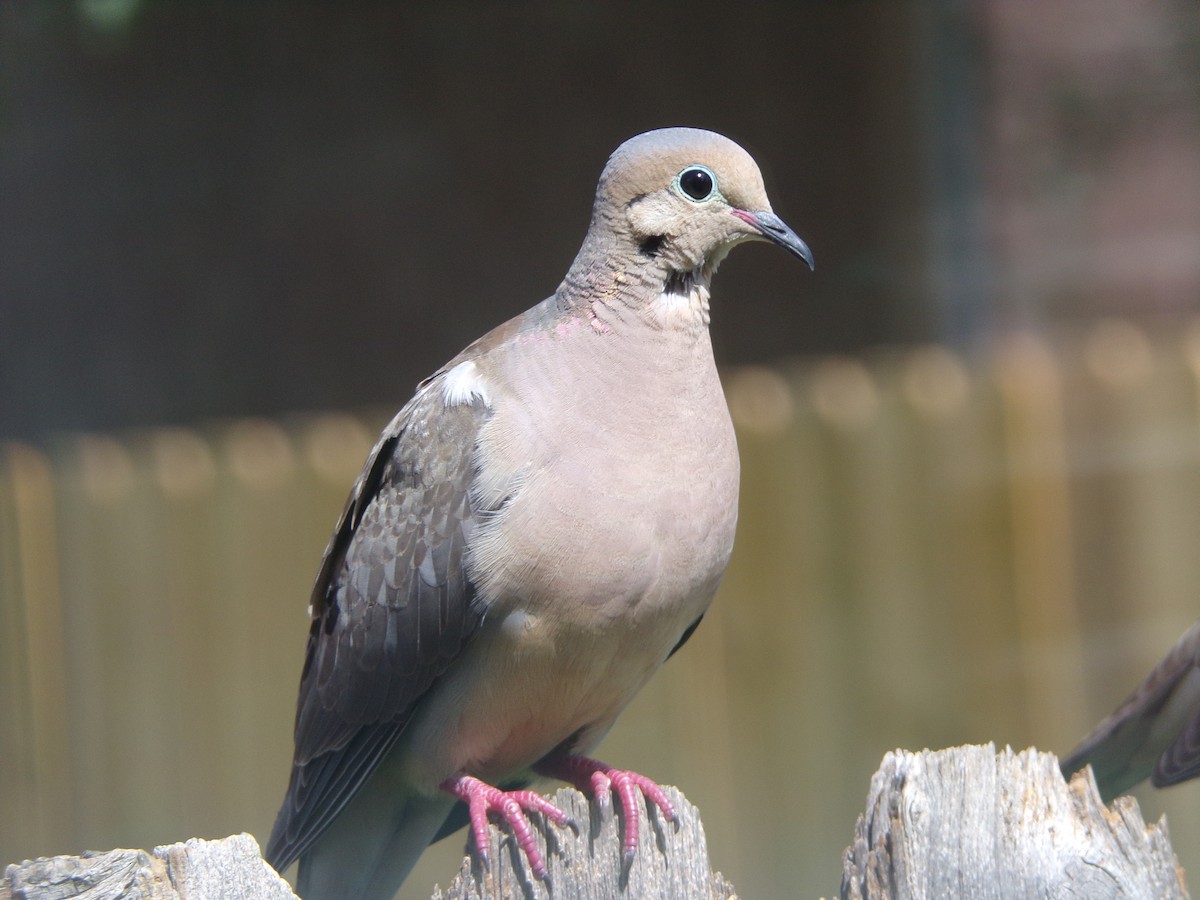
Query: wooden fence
{"x": 933, "y": 550}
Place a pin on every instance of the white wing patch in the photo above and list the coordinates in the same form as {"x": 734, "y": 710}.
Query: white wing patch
{"x": 463, "y": 383}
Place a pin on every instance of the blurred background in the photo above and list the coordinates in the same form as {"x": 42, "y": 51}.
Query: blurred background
{"x": 233, "y": 236}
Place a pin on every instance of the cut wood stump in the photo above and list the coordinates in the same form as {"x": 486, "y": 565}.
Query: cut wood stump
{"x": 671, "y": 862}
{"x": 229, "y": 869}
{"x": 971, "y": 822}
{"x": 965, "y": 822}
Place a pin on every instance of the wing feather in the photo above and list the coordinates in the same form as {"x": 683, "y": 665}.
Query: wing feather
{"x": 1155, "y": 731}
{"x": 392, "y": 609}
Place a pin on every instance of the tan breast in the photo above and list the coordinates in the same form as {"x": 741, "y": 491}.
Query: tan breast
{"x": 622, "y": 477}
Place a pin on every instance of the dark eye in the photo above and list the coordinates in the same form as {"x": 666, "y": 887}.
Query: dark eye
{"x": 697, "y": 182}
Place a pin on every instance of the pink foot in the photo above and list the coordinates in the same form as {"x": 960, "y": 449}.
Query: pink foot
{"x": 589, "y": 775}
{"x": 481, "y": 798}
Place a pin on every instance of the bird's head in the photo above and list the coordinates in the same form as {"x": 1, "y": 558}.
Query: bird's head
{"x": 685, "y": 197}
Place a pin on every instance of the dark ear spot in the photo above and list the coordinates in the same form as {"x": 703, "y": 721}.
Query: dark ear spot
{"x": 651, "y": 245}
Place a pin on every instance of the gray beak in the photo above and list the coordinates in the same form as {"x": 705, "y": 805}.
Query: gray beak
{"x": 774, "y": 230}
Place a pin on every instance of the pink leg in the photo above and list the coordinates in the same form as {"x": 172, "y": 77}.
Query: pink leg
{"x": 481, "y": 798}
{"x": 592, "y": 776}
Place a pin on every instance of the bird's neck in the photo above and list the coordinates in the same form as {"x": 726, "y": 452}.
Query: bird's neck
{"x": 615, "y": 289}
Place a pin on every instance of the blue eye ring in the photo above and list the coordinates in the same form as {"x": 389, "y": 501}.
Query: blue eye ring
{"x": 697, "y": 183}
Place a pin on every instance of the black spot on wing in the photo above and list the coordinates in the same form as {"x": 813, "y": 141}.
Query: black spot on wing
{"x": 368, "y": 489}
{"x": 683, "y": 639}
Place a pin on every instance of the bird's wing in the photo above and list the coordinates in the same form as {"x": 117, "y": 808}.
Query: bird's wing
{"x": 392, "y": 609}
{"x": 1181, "y": 760}
{"x": 1150, "y": 730}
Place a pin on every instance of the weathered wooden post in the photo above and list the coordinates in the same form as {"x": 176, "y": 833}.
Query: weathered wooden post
{"x": 671, "y": 864}
{"x": 967, "y": 822}
{"x": 971, "y": 822}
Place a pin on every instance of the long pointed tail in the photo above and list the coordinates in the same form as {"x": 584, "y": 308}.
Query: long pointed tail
{"x": 371, "y": 847}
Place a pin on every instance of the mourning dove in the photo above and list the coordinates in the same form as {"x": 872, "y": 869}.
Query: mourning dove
{"x": 536, "y": 531}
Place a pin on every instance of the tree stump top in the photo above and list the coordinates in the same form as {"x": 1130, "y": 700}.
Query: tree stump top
{"x": 971, "y": 822}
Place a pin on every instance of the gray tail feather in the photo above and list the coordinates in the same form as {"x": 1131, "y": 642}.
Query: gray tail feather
{"x": 371, "y": 847}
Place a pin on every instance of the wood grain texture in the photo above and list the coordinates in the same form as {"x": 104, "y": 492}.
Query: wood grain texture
{"x": 229, "y": 869}
{"x": 671, "y": 863}
{"x": 971, "y": 822}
